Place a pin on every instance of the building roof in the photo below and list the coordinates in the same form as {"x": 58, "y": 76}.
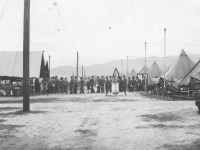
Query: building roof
{"x": 11, "y": 64}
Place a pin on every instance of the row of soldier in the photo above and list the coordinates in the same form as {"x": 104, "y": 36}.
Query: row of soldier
{"x": 54, "y": 85}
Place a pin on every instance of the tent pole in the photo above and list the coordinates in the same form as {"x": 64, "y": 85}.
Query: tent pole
{"x": 82, "y": 71}
{"x": 77, "y": 67}
{"x": 145, "y": 68}
{"x": 49, "y": 66}
{"x": 26, "y": 97}
{"x": 164, "y": 52}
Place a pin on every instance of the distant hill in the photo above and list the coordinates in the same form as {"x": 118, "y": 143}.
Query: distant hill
{"x": 108, "y": 68}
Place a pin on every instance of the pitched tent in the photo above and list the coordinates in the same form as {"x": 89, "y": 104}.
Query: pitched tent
{"x": 144, "y": 69}
{"x": 180, "y": 68}
{"x": 195, "y": 73}
{"x": 11, "y": 64}
{"x": 153, "y": 72}
{"x": 133, "y": 73}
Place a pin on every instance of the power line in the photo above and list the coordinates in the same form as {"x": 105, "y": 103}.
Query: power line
{"x": 63, "y": 24}
{"x": 3, "y": 11}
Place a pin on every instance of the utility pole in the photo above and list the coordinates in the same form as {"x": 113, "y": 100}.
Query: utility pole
{"x": 26, "y": 42}
{"x": 145, "y": 67}
{"x": 77, "y": 67}
{"x": 122, "y": 67}
{"x": 49, "y": 66}
{"x": 82, "y": 71}
{"x": 164, "y": 51}
{"x": 127, "y": 66}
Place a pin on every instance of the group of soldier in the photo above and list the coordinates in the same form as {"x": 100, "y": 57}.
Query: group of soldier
{"x": 103, "y": 84}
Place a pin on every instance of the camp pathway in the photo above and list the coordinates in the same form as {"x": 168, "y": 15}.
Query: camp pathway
{"x": 95, "y": 121}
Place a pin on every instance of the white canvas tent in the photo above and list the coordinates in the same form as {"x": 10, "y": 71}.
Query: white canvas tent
{"x": 180, "y": 68}
{"x": 11, "y": 64}
{"x": 195, "y": 72}
{"x": 133, "y": 73}
{"x": 154, "y": 71}
{"x": 144, "y": 69}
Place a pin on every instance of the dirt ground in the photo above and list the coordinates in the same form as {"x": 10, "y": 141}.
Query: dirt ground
{"x": 96, "y": 122}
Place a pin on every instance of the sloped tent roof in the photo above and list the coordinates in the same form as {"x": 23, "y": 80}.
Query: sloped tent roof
{"x": 154, "y": 71}
{"x": 195, "y": 72}
{"x": 180, "y": 68}
{"x": 144, "y": 69}
{"x": 11, "y": 64}
{"x": 133, "y": 73}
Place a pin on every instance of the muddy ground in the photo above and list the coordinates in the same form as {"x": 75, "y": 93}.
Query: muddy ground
{"x": 96, "y": 122}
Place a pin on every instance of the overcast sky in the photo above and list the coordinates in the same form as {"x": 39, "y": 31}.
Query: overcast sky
{"x": 102, "y": 30}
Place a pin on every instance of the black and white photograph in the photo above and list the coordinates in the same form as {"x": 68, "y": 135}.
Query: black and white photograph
{"x": 99, "y": 75}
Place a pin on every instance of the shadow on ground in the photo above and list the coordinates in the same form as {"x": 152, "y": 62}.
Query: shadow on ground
{"x": 149, "y": 95}
{"x": 20, "y": 112}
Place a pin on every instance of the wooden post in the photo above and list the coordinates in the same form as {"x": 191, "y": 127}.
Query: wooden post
{"x": 77, "y": 67}
{"x": 26, "y": 100}
{"x": 49, "y": 66}
{"x": 82, "y": 71}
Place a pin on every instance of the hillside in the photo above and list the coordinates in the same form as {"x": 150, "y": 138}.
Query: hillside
{"x": 108, "y": 68}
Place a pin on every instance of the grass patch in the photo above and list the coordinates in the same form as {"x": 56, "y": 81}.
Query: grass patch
{"x": 162, "y": 126}
{"x": 87, "y": 132}
{"x": 161, "y": 117}
{"x": 193, "y": 146}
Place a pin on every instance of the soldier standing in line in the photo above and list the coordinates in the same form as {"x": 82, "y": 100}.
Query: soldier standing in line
{"x": 75, "y": 85}
{"x": 121, "y": 83}
{"x": 56, "y": 84}
{"x": 61, "y": 85}
{"x": 133, "y": 84}
{"x": 88, "y": 84}
{"x": 119, "y": 79}
{"x": 66, "y": 85}
{"x": 92, "y": 84}
{"x": 124, "y": 82}
{"x": 129, "y": 84}
{"x": 71, "y": 83}
{"x": 102, "y": 84}
{"x": 107, "y": 84}
{"x": 81, "y": 85}
{"x": 98, "y": 85}
{"x": 110, "y": 85}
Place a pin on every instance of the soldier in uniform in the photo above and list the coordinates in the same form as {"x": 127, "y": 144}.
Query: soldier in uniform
{"x": 124, "y": 84}
{"x": 107, "y": 84}
{"x": 133, "y": 84}
{"x": 66, "y": 85}
{"x": 88, "y": 84}
{"x": 129, "y": 84}
{"x": 56, "y": 84}
{"x": 92, "y": 84}
{"x": 110, "y": 85}
{"x": 121, "y": 84}
{"x": 98, "y": 85}
{"x": 102, "y": 84}
{"x": 61, "y": 85}
{"x": 71, "y": 83}
{"x": 75, "y": 85}
{"x": 81, "y": 85}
